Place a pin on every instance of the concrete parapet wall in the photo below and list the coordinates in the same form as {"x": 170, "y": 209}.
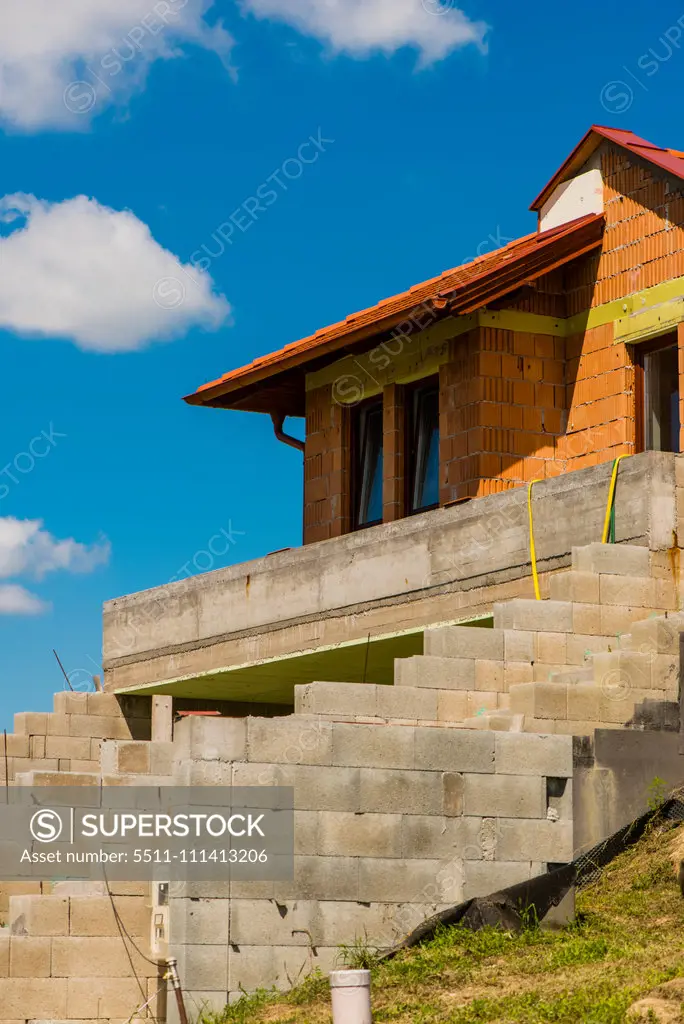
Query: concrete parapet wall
{"x": 441, "y": 565}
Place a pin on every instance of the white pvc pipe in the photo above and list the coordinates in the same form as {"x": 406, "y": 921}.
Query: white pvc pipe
{"x": 351, "y": 1000}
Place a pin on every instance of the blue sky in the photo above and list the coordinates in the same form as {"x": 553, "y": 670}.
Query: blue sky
{"x": 433, "y": 130}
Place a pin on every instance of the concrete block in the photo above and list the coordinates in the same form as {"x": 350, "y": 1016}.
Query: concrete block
{"x": 667, "y": 595}
{"x": 30, "y": 956}
{"x": 520, "y": 645}
{"x": 103, "y": 957}
{"x": 5, "y": 939}
{"x": 453, "y": 750}
{"x": 30, "y": 723}
{"x": 77, "y": 747}
{"x": 489, "y": 675}
{"x": 617, "y": 619}
{"x": 382, "y": 923}
{"x": 512, "y": 796}
{"x": 540, "y": 700}
{"x": 325, "y": 878}
{"x": 98, "y": 726}
{"x": 522, "y": 613}
{"x": 285, "y": 965}
{"x": 427, "y": 837}
{"x": 586, "y": 620}
{"x": 581, "y": 647}
{"x": 627, "y": 591}
{"x": 657, "y": 636}
{"x": 575, "y": 586}
{"x": 93, "y": 916}
{"x": 162, "y": 757}
{"x": 584, "y": 702}
{"x": 521, "y": 754}
{"x": 548, "y": 841}
{"x": 322, "y": 698}
{"x": 406, "y": 702}
{"x": 306, "y": 833}
{"x": 199, "y": 922}
{"x": 452, "y": 794}
{"x": 106, "y": 704}
{"x": 369, "y": 746}
{"x": 133, "y": 757}
{"x": 465, "y": 642}
{"x": 517, "y": 672}
{"x": 59, "y": 725}
{"x": 295, "y": 740}
{"x": 44, "y": 998}
{"x": 613, "y": 559}
{"x": 264, "y": 923}
{"x": 162, "y": 719}
{"x": 336, "y": 789}
{"x": 435, "y": 672}
{"x": 390, "y": 791}
{"x": 619, "y": 671}
{"x": 665, "y": 674}
{"x": 39, "y": 915}
{"x": 37, "y": 748}
{"x": 67, "y": 703}
{"x": 212, "y": 739}
{"x": 415, "y": 881}
{"x": 552, "y": 648}
{"x": 360, "y": 835}
{"x": 484, "y": 878}
{"x": 98, "y": 998}
{"x": 452, "y": 705}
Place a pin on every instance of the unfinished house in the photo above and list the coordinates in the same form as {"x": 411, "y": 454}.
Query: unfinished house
{"x": 469, "y": 671}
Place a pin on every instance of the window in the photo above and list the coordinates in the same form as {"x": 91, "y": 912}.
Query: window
{"x": 657, "y": 395}
{"x": 423, "y": 446}
{"x": 367, "y": 440}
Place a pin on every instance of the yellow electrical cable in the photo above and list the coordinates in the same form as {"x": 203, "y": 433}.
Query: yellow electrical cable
{"x": 533, "y": 553}
{"x": 611, "y": 497}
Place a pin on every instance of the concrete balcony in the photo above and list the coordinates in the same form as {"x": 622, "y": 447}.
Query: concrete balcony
{"x": 344, "y": 609}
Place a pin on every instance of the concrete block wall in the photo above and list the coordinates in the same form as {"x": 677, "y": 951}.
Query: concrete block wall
{"x": 392, "y": 822}
{"x": 62, "y": 957}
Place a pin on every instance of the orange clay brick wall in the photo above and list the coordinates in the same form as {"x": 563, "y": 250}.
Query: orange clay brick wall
{"x": 502, "y": 411}
{"x": 326, "y": 467}
{"x": 644, "y": 237}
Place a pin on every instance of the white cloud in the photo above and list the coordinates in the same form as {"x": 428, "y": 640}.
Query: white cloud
{"x": 80, "y": 271}
{"x": 61, "y": 62}
{"x": 27, "y": 549}
{"x": 434, "y": 27}
{"x": 16, "y": 600}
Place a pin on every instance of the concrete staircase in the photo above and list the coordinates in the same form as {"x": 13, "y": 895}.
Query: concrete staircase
{"x": 605, "y": 641}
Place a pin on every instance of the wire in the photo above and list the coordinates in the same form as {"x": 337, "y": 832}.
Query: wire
{"x": 533, "y": 553}
{"x": 144, "y": 1005}
{"x": 610, "y": 508}
{"x": 123, "y": 931}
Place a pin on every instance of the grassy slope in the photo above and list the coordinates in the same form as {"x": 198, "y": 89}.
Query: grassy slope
{"x": 629, "y": 938}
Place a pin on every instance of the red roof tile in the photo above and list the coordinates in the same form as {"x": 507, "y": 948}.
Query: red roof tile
{"x": 463, "y": 289}
{"x": 670, "y": 160}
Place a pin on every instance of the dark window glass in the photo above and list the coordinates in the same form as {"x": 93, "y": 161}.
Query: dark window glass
{"x": 424, "y": 452}
{"x": 661, "y": 400}
{"x": 369, "y": 465}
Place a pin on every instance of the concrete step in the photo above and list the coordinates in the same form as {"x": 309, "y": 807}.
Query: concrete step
{"x": 636, "y": 670}
{"x": 578, "y": 702}
{"x": 464, "y": 642}
{"x": 612, "y": 559}
{"x": 575, "y": 586}
{"x": 526, "y": 614}
{"x": 655, "y": 635}
{"x": 361, "y": 701}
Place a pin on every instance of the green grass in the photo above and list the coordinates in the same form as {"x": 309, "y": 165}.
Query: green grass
{"x": 628, "y": 938}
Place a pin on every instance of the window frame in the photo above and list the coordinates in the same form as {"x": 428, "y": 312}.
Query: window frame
{"x": 356, "y": 474}
{"x": 639, "y": 352}
{"x": 411, "y": 392}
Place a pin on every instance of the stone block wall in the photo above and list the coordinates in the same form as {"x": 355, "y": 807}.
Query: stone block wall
{"x": 393, "y": 822}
